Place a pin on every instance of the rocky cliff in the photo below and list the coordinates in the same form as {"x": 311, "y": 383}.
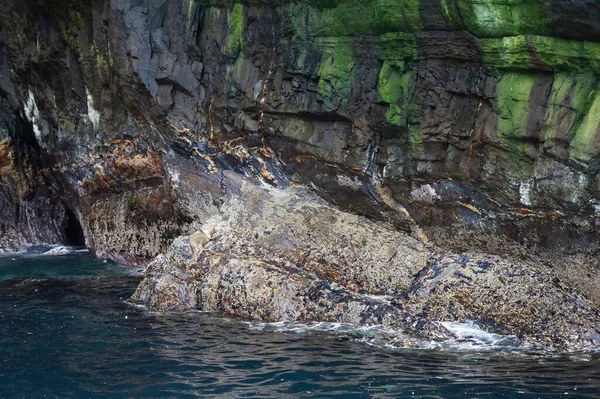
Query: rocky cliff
{"x": 468, "y": 124}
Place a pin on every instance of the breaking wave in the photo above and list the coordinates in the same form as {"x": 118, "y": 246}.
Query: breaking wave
{"x": 466, "y": 336}
{"x": 44, "y": 249}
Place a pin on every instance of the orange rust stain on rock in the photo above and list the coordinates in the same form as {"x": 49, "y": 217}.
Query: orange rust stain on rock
{"x": 302, "y": 158}
{"x": 140, "y": 120}
{"x": 124, "y": 163}
{"x": 6, "y": 157}
{"x": 22, "y": 177}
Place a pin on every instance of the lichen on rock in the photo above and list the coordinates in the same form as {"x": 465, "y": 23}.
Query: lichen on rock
{"x": 282, "y": 256}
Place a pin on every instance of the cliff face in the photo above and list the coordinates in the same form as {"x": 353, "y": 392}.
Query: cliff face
{"x": 469, "y": 125}
{"x": 473, "y": 124}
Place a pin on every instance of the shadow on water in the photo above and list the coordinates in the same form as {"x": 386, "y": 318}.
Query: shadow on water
{"x": 67, "y": 332}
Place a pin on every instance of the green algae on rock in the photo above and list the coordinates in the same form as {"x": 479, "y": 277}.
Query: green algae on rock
{"x": 530, "y": 52}
{"x": 395, "y": 88}
{"x": 568, "y": 104}
{"x": 514, "y": 91}
{"x": 370, "y": 17}
{"x": 585, "y": 144}
{"x": 336, "y": 73}
{"x": 235, "y": 30}
{"x": 493, "y": 18}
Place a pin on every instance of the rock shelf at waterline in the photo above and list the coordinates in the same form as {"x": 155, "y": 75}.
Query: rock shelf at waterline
{"x": 273, "y": 259}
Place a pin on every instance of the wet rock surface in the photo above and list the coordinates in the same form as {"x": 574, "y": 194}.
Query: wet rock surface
{"x": 507, "y": 297}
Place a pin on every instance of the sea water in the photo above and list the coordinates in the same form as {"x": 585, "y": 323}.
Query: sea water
{"x": 67, "y": 331}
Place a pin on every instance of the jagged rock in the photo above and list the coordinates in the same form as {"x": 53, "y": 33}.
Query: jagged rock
{"x": 269, "y": 291}
{"x": 507, "y": 297}
{"x": 273, "y": 268}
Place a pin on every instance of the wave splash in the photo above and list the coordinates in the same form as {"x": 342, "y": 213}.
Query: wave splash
{"x": 463, "y": 336}
{"x": 45, "y": 249}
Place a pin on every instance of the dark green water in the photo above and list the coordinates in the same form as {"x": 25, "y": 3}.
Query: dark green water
{"x": 66, "y": 332}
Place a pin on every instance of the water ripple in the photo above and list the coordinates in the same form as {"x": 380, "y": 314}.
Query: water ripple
{"x": 75, "y": 337}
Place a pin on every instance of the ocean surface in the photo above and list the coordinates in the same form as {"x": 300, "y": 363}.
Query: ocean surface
{"x": 67, "y": 331}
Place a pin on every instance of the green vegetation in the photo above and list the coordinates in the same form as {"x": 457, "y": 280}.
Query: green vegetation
{"x": 591, "y": 50}
{"x": 303, "y": 19}
{"x": 354, "y": 17}
{"x": 396, "y": 48}
{"x": 451, "y": 13}
{"x": 512, "y": 38}
{"x": 236, "y": 30}
{"x": 585, "y": 143}
{"x": 514, "y": 90}
{"x": 414, "y": 138}
{"x": 370, "y": 17}
{"x": 336, "y": 73}
{"x": 540, "y": 52}
{"x": 396, "y": 83}
{"x": 496, "y": 18}
{"x": 396, "y": 89}
{"x": 569, "y": 100}
{"x": 70, "y": 22}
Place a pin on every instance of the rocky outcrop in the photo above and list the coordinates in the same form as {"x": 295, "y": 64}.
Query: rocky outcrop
{"x": 289, "y": 256}
{"x": 470, "y": 125}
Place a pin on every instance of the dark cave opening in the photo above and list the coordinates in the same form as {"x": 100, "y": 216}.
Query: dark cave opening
{"x": 73, "y": 231}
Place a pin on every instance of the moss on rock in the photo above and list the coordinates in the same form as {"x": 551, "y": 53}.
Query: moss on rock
{"x": 513, "y": 104}
{"x": 497, "y": 18}
{"x": 354, "y": 17}
{"x": 336, "y": 73}
{"x": 395, "y": 88}
{"x": 514, "y": 91}
{"x": 397, "y": 48}
{"x": 370, "y": 17}
{"x": 586, "y": 142}
{"x": 540, "y": 52}
{"x": 568, "y": 103}
{"x": 235, "y": 30}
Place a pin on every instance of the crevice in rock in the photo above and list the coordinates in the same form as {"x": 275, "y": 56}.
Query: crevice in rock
{"x": 73, "y": 231}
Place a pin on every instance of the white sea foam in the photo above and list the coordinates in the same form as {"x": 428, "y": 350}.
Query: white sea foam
{"x": 470, "y": 336}
{"x": 62, "y": 250}
{"x": 45, "y": 249}
{"x": 466, "y": 336}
